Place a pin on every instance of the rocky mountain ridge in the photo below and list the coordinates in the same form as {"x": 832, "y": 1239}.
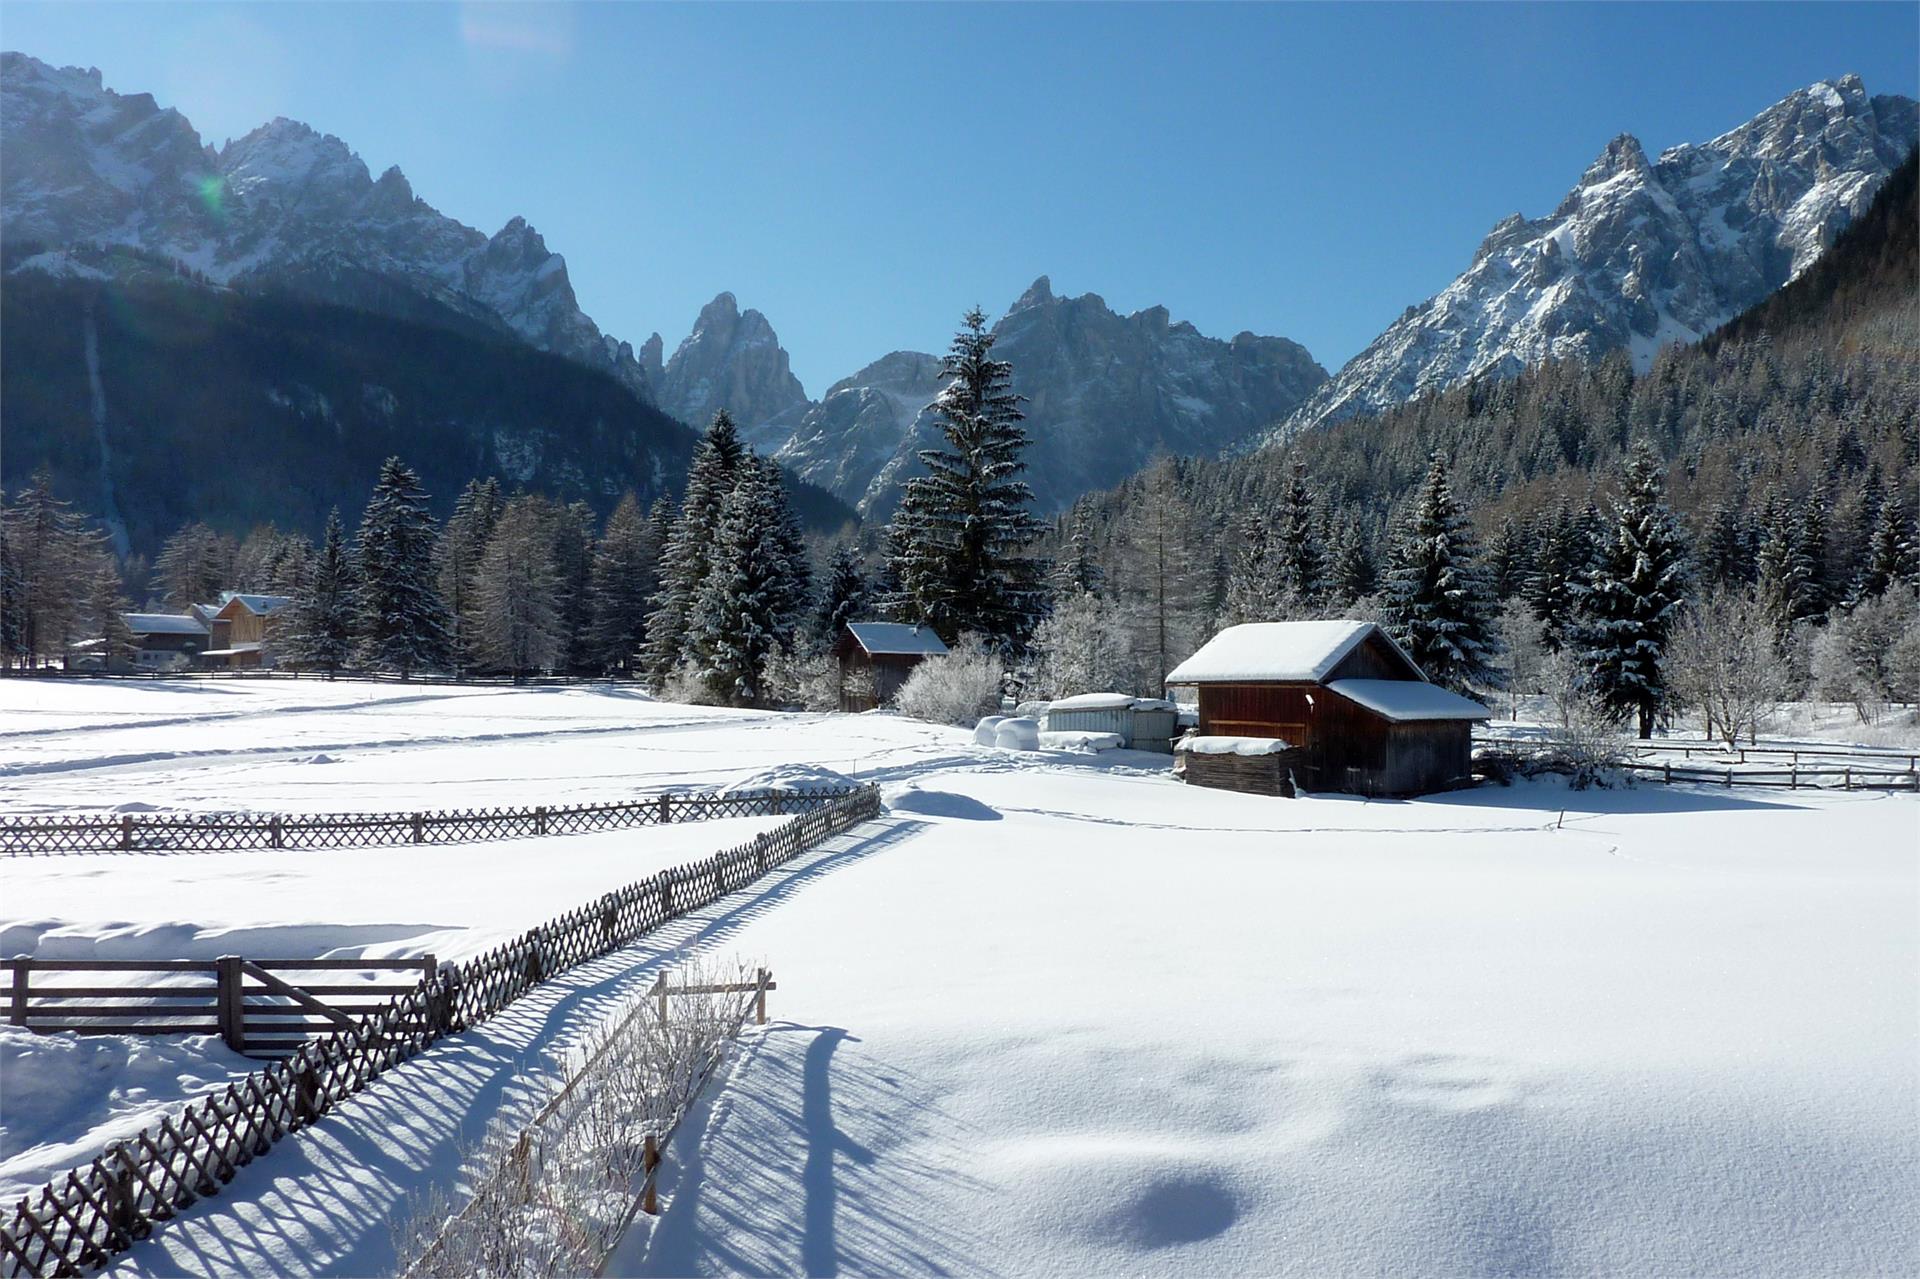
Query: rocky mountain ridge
{"x": 1641, "y": 253}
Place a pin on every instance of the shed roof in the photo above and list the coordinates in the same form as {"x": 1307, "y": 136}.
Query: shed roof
{"x": 164, "y": 624}
{"x": 892, "y": 638}
{"x": 1109, "y": 702}
{"x": 1405, "y": 700}
{"x": 1277, "y": 651}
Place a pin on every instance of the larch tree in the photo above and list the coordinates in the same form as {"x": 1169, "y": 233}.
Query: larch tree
{"x": 195, "y": 565}
{"x": 518, "y": 624}
{"x": 402, "y": 621}
{"x": 965, "y": 568}
{"x": 51, "y": 555}
{"x": 685, "y": 561}
{"x": 462, "y": 542}
{"x": 625, "y": 566}
{"x": 1632, "y": 596}
{"x": 1438, "y": 603}
{"x": 108, "y": 606}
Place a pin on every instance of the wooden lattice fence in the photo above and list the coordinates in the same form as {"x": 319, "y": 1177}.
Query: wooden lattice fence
{"x": 218, "y": 832}
{"x": 83, "y": 1219}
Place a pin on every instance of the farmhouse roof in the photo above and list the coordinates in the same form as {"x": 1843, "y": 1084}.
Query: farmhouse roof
{"x": 896, "y": 638}
{"x": 164, "y": 624}
{"x": 1277, "y": 651}
{"x": 1405, "y": 700}
{"x": 261, "y": 605}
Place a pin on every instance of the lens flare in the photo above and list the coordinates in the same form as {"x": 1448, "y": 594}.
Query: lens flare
{"x": 213, "y": 194}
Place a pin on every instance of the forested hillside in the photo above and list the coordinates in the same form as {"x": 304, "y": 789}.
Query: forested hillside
{"x": 239, "y": 409}
{"x": 1812, "y": 400}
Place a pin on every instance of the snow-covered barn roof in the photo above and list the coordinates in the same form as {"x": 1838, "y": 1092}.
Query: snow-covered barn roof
{"x": 257, "y": 604}
{"x": 1277, "y": 651}
{"x": 894, "y": 638}
{"x": 164, "y": 624}
{"x": 1404, "y": 700}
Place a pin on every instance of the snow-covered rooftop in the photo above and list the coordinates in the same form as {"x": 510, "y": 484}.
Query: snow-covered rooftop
{"x": 896, "y": 638}
{"x": 1403, "y": 700}
{"x": 1218, "y": 745}
{"x": 261, "y": 604}
{"x": 164, "y": 624}
{"x": 1274, "y": 651}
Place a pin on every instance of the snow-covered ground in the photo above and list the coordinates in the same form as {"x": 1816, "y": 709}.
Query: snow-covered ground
{"x": 1060, "y": 1014}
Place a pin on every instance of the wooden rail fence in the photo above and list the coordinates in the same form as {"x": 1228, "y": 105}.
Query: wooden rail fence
{"x": 1900, "y": 761}
{"x": 1793, "y": 778}
{"x": 218, "y": 832}
{"x": 250, "y": 1004}
{"x": 85, "y": 1218}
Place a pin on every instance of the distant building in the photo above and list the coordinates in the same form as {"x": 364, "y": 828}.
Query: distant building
{"x": 244, "y": 627}
{"x": 1333, "y": 706}
{"x": 1141, "y": 723}
{"x": 876, "y": 658}
{"x": 167, "y": 641}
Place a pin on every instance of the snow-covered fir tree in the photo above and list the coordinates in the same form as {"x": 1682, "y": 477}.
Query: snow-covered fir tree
{"x": 1562, "y": 555}
{"x": 964, "y": 528}
{"x": 1354, "y": 575}
{"x": 1783, "y": 567}
{"x": 1438, "y": 603}
{"x": 1254, "y": 589}
{"x": 324, "y": 614}
{"x": 1818, "y": 594}
{"x": 625, "y": 564}
{"x": 1726, "y": 554}
{"x": 1507, "y": 559}
{"x": 685, "y": 561}
{"x": 1632, "y": 596}
{"x": 748, "y": 605}
{"x": 1298, "y": 558}
{"x": 845, "y": 597}
{"x": 1893, "y": 557}
{"x": 402, "y": 621}
{"x": 1078, "y": 569}
{"x": 570, "y": 528}
{"x": 462, "y": 542}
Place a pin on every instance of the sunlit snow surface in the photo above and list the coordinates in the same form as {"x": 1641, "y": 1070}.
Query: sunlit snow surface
{"x": 1059, "y": 1014}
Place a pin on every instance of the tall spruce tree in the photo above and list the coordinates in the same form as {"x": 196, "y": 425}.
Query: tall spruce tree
{"x": 1254, "y": 592}
{"x": 1299, "y": 559}
{"x": 1438, "y": 603}
{"x": 1632, "y": 596}
{"x": 402, "y": 621}
{"x": 1563, "y": 555}
{"x": 845, "y": 597}
{"x": 1079, "y": 568}
{"x": 688, "y": 554}
{"x": 571, "y": 530}
{"x": 1354, "y": 575}
{"x": 625, "y": 567}
{"x": 324, "y": 614}
{"x": 964, "y": 566}
{"x": 1892, "y": 557}
{"x": 748, "y": 604}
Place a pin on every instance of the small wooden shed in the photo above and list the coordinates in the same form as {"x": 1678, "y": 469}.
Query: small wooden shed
{"x": 876, "y": 658}
{"x": 1356, "y": 712}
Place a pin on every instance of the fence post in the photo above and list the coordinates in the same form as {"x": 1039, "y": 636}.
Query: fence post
{"x": 760, "y": 1000}
{"x": 1669, "y": 774}
{"x": 419, "y": 828}
{"x": 666, "y": 808}
{"x": 540, "y": 820}
{"x": 1793, "y": 777}
{"x": 660, "y": 989}
{"x": 273, "y": 831}
{"x": 650, "y": 1163}
{"x": 306, "y": 1091}
{"x": 126, "y": 834}
{"x": 1849, "y": 781}
{"x": 122, "y": 1216}
{"x": 232, "y": 1002}
{"x": 22, "y": 965}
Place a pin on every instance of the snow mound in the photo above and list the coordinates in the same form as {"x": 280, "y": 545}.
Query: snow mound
{"x": 1081, "y": 743}
{"x": 321, "y": 758}
{"x": 983, "y": 732}
{"x": 789, "y": 777}
{"x": 1232, "y": 745}
{"x": 1017, "y": 734}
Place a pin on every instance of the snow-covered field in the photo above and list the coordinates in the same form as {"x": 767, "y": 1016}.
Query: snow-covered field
{"x": 1059, "y": 1014}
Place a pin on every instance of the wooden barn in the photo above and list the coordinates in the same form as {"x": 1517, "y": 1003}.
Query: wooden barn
{"x": 1353, "y": 710}
{"x": 876, "y": 658}
{"x": 249, "y": 622}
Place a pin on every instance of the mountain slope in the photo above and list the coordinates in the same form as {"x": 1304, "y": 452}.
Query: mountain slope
{"x": 733, "y": 361}
{"x": 156, "y": 402}
{"x": 284, "y": 207}
{"x": 1105, "y": 393}
{"x": 1641, "y": 254}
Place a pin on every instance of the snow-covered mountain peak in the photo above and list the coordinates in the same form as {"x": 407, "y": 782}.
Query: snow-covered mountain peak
{"x": 733, "y": 360}
{"x": 1641, "y": 253}
{"x": 285, "y": 205}
{"x": 1039, "y": 293}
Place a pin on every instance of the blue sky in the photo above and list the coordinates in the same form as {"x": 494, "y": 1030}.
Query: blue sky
{"x": 863, "y": 173}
